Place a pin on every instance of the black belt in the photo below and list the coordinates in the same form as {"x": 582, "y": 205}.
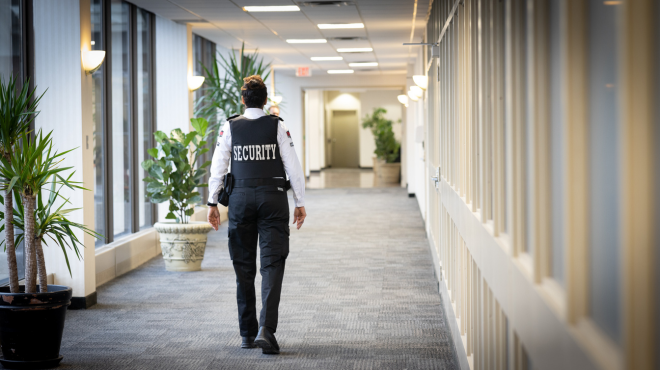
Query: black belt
{"x": 244, "y": 183}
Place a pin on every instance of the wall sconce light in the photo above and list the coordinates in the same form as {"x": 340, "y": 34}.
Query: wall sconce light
{"x": 417, "y": 91}
{"x": 195, "y": 82}
{"x": 276, "y": 99}
{"x": 92, "y": 60}
{"x": 403, "y": 99}
{"x": 421, "y": 81}
{"x": 412, "y": 96}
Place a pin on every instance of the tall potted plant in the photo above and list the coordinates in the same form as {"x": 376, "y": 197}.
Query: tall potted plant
{"x": 174, "y": 176}
{"x": 37, "y": 308}
{"x": 388, "y": 165}
{"x": 17, "y": 111}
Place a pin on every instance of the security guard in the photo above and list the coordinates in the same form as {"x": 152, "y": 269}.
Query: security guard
{"x": 262, "y": 154}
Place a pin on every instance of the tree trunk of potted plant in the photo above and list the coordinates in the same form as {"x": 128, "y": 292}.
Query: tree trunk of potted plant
{"x": 41, "y": 265}
{"x": 30, "y": 255}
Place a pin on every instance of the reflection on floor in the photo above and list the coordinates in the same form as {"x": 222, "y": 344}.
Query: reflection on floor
{"x": 359, "y": 293}
{"x": 345, "y": 178}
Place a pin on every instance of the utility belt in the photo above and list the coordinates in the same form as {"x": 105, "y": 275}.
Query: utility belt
{"x": 230, "y": 183}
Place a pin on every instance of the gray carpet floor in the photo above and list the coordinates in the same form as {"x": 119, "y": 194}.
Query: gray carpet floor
{"x": 359, "y": 293}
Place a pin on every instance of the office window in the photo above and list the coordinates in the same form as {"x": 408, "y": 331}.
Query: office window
{"x": 556, "y": 143}
{"x": 204, "y": 55}
{"x": 604, "y": 154}
{"x": 123, "y": 117}
{"x": 98, "y": 113}
{"x": 144, "y": 109}
{"x": 12, "y": 62}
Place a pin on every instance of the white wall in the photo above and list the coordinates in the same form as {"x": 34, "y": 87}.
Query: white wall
{"x": 378, "y": 99}
{"x": 58, "y": 69}
{"x": 315, "y": 129}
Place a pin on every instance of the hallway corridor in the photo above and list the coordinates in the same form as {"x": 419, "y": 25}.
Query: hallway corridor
{"x": 359, "y": 293}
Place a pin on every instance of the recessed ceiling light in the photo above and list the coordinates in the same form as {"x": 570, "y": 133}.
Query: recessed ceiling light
{"x": 306, "y": 41}
{"x": 280, "y": 8}
{"x": 320, "y": 59}
{"x": 338, "y": 71}
{"x": 336, "y": 26}
{"x": 363, "y": 64}
{"x": 354, "y": 50}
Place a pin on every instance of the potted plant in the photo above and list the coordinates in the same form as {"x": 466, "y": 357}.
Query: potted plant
{"x": 387, "y": 167}
{"x": 174, "y": 175}
{"x": 36, "y": 308}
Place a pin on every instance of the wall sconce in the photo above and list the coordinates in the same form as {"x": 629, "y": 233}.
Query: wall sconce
{"x": 276, "y": 99}
{"x": 412, "y": 95}
{"x": 195, "y": 82}
{"x": 403, "y": 99}
{"x": 417, "y": 91}
{"x": 92, "y": 60}
{"x": 421, "y": 81}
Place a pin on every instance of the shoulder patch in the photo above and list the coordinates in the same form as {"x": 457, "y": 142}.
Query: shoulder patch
{"x": 288, "y": 134}
{"x": 222, "y": 132}
{"x": 278, "y": 117}
{"x": 234, "y": 116}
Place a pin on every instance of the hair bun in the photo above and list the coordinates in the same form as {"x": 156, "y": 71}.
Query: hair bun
{"x": 253, "y": 83}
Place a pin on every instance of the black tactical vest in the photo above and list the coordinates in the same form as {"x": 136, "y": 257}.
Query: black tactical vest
{"x": 255, "y": 152}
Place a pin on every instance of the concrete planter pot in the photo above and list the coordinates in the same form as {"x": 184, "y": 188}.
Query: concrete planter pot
{"x": 183, "y": 245}
{"x": 389, "y": 173}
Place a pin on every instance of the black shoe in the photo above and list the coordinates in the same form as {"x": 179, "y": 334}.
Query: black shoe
{"x": 248, "y": 342}
{"x": 266, "y": 340}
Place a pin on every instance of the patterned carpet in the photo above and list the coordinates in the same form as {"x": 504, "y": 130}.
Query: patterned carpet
{"x": 359, "y": 293}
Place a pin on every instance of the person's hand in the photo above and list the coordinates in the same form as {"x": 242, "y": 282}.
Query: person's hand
{"x": 213, "y": 217}
{"x": 299, "y": 215}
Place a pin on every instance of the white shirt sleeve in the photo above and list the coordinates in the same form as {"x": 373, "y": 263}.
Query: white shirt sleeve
{"x": 219, "y": 163}
{"x": 291, "y": 165}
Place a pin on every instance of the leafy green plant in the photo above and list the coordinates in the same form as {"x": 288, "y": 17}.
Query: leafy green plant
{"x": 32, "y": 166}
{"x": 17, "y": 111}
{"x": 387, "y": 147}
{"x": 174, "y": 173}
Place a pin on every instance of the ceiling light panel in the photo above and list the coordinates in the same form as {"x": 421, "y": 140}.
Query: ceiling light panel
{"x": 363, "y": 64}
{"x": 306, "y": 41}
{"x": 340, "y": 71}
{"x": 354, "y": 50}
{"x": 279, "y": 8}
{"x": 340, "y": 26}
{"x": 325, "y": 59}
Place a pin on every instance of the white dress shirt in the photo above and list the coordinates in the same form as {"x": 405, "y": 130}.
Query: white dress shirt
{"x": 222, "y": 156}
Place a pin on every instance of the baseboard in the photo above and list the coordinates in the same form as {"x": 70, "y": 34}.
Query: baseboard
{"x": 78, "y": 303}
{"x": 411, "y": 195}
{"x": 314, "y": 171}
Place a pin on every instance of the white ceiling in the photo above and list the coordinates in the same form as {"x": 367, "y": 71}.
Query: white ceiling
{"x": 388, "y": 24}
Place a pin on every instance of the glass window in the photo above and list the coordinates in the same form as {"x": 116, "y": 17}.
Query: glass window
{"x": 121, "y": 117}
{"x": 144, "y": 111}
{"x": 11, "y": 64}
{"x": 98, "y": 111}
{"x": 604, "y": 166}
{"x": 556, "y": 143}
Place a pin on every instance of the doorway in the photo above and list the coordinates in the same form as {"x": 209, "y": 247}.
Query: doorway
{"x": 345, "y": 139}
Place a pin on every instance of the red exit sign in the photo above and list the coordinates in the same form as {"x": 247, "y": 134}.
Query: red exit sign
{"x": 303, "y": 72}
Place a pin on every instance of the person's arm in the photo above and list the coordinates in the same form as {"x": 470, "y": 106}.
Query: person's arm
{"x": 294, "y": 171}
{"x": 219, "y": 167}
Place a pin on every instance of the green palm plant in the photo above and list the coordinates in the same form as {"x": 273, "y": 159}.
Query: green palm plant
{"x": 387, "y": 147}
{"x": 222, "y": 94}
{"x": 17, "y": 111}
{"x": 32, "y": 166}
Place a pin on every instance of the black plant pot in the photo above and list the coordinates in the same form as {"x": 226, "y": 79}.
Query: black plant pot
{"x": 31, "y": 327}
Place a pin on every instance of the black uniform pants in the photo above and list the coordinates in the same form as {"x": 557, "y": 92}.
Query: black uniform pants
{"x": 261, "y": 212}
